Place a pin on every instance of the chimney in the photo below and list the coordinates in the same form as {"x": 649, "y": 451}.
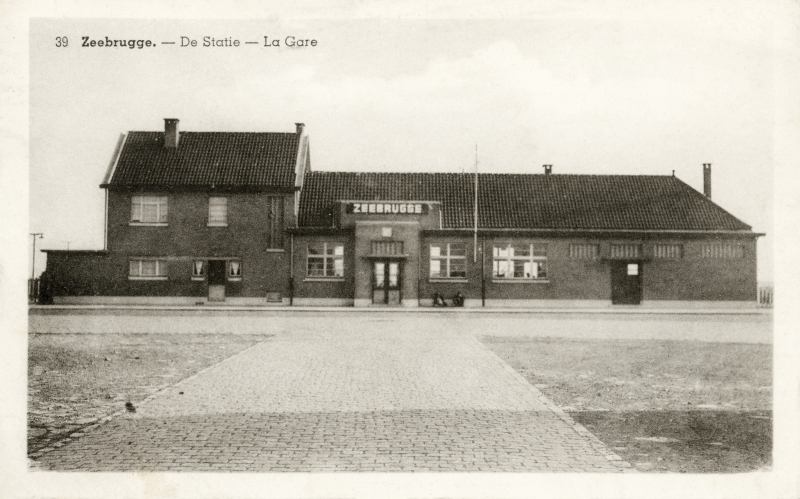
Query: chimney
{"x": 548, "y": 169}
{"x": 171, "y": 132}
{"x": 299, "y": 127}
{"x": 707, "y": 180}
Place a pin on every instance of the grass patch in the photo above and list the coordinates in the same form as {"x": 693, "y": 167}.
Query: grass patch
{"x": 662, "y": 405}
{"x": 75, "y": 379}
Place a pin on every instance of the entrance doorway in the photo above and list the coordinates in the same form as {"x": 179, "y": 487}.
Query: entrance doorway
{"x": 626, "y": 283}
{"x": 216, "y": 280}
{"x": 386, "y": 281}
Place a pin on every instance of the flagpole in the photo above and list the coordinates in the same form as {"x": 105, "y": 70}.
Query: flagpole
{"x": 475, "y": 215}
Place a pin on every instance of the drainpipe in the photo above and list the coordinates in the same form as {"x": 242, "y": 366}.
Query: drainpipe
{"x": 483, "y": 272}
{"x": 291, "y": 269}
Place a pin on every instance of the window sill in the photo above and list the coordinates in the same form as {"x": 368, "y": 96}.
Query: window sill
{"x": 198, "y": 278}
{"x": 276, "y": 250}
{"x": 448, "y": 279}
{"x": 522, "y": 281}
{"x": 148, "y": 224}
{"x": 323, "y": 279}
{"x": 154, "y": 278}
{"x": 234, "y": 279}
{"x": 219, "y": 224}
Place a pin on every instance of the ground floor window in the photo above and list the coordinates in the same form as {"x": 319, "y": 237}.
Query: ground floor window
{"x": 668, "y": 251}
{"x": 723, "y": 250}
{"x": 448, "y": 260}
{"x": 234, "y": 270}
{"x": 519, "y": 261}
{"x": 325, "y": 260}
{"x": 147, "y": 269}
{"x": 198, "y": 270}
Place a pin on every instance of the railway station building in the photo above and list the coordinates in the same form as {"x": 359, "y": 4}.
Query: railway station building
{"x": 204, "y": 218}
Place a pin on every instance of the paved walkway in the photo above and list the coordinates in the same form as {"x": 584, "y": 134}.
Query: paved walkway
{"x": 370, "y": 398}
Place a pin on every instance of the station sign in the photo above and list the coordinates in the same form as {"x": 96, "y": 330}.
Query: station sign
{"x": 387, "y": 208}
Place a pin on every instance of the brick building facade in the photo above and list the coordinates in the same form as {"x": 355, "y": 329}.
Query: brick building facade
{"x": 240, "y": 219}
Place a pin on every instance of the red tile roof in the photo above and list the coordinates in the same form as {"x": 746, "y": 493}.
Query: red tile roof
{"x": 604, "y": 202}
{"x": 252, "y": 160}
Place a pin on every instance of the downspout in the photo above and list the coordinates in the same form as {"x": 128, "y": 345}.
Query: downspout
{"x": 291, "y": 269}
{"x": 483, "y": 271}
{"x": 105, "y": 224}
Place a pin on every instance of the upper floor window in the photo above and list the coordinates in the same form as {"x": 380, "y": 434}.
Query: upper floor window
{"x": 448, "y": 260}
{"x": 149, "y": 210}
{"x": 519, "y": 261}
{"x": 217, "y": 212}
{"x": 722, "y": 250}
{"x": 275, "y": 223}
{"x": 147, "y": 269}
{"x": 325, "y": 260}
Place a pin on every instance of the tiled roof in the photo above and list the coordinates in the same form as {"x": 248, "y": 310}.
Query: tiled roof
{"x": 261, "y": 160}
{"x": 605, "y": 202}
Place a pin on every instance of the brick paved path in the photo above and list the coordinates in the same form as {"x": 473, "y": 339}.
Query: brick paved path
{"x": 360, "y": 400}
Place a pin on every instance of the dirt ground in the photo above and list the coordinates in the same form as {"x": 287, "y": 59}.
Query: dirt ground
{"x": 76, "y": 379}
{"x": 677, "y": 406}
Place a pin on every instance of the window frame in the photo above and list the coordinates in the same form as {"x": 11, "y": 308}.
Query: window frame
{"x": 324, "y": 256}
{"x": 446, "y": 259}
{"x": 162, "y": 210}
{"x": 211, "y": 223}
{"x": 533, "y": 258}
{"x": 161, "y": 274}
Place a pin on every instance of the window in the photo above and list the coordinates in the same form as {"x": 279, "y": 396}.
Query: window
{"x": 584, "y": 251}
{"x": 275, "y": 223}
{"x": 633, "y": 269}
{"x": 625, "y": 250}
{"x": 147, "y": 269}
{"x": 149, "y": 210}
{"x": 325, "y": 260}
{"x": 198, "y": 270}
{"x": 234, "y": 270}
{"x": 668, "y": 251}
{"x": 448, "y": 260}
{"x": 217, "y": 212}
{"x": 520, "y": 261}
{"x": 722, "y": 250}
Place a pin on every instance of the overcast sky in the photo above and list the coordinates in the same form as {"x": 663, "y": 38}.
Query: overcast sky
{"x": 609, "y": 96}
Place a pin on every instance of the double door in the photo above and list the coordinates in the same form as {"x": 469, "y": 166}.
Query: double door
{"x": 387, "y": 276}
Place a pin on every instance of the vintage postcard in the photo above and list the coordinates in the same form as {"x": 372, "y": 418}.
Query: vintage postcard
{"x": 416, "y": 252}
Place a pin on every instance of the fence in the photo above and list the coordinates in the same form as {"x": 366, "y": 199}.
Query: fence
{"x": 765, "y": 296}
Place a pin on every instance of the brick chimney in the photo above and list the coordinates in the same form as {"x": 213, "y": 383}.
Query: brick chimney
{"x": 171, "y": 132}
{"x": 548, "y": 169}
{"x": 707, "y": 180}
{"x": 299, "y": 127}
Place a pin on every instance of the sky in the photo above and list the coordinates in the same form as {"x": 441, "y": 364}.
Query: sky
{"x": 599, "y": 95}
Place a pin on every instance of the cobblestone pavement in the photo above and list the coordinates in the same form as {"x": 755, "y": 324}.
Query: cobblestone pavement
{"x": 362, "y": 400}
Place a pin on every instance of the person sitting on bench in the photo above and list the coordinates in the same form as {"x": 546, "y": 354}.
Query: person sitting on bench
{"x": 458, "y": 300}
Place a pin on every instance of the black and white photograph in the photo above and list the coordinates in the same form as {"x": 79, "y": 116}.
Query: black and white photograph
{"x": 382, "y": 251}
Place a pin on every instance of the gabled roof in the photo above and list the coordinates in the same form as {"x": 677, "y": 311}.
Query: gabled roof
{"x": 203, "y": 159}
{"x": 505, "y": 201}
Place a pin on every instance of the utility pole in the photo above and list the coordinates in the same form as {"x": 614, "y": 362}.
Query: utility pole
{"x": 36, "y": 235}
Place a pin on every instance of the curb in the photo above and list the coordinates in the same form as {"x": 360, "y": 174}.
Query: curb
{"x": 38, "y": 309}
